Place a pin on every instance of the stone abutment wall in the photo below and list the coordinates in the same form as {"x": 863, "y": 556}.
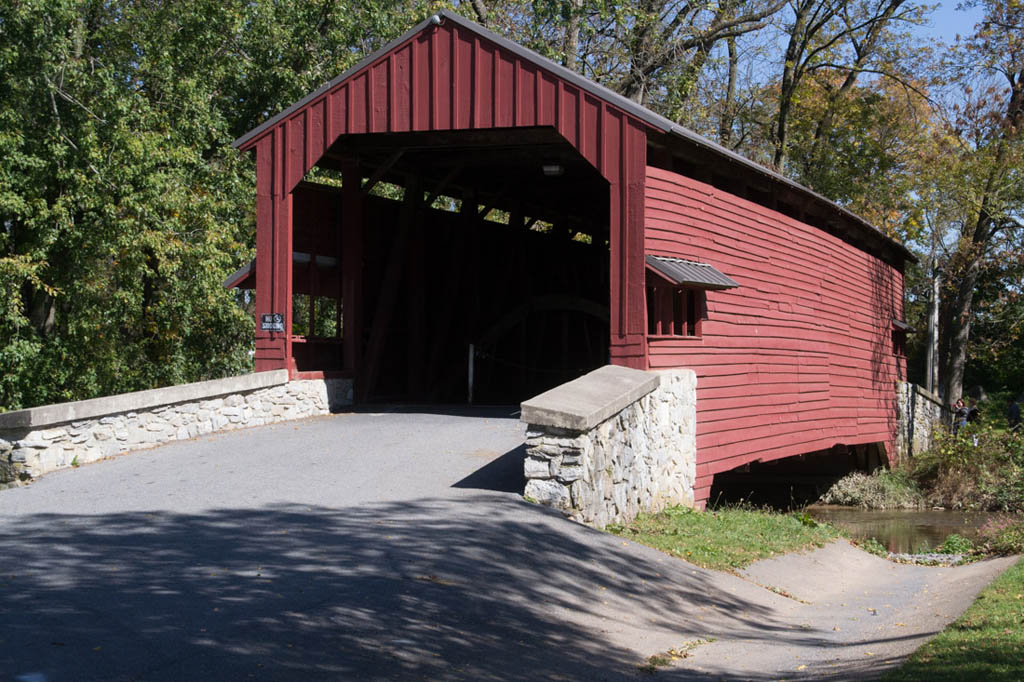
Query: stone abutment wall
{"x": 606, "y": 468}
{"x": 43, "y": 439}
{"x": 920, "y": 412}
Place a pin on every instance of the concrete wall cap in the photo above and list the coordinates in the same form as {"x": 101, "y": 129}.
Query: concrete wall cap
{"x": 921, "y": 391}
{"x": 139, "y": 400}
{"x": 583, "y": 403}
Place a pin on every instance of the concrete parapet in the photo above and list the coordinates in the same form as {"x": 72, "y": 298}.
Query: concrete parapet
{"x": 42, "y": 439}
{"x": 583, "y": 403}
{"x": 613, "y": 443}
{"x": 139, "y": 400}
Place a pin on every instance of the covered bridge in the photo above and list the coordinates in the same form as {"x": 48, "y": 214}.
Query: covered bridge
{"x": 455, "y": 188}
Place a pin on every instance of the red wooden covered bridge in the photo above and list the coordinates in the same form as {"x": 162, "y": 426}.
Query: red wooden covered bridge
{"x": 455, "y": 188}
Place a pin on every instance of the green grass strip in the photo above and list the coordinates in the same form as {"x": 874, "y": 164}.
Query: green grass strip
{"x": 726, "y": 539}
{"x": 986, "y": 643}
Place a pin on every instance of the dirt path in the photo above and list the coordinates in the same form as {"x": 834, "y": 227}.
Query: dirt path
{"x": 848, "y": 615}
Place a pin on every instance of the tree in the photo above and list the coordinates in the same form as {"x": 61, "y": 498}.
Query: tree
{"x": 833, "y": 36}
{"x": 122, "y": 205}
{"x": 983, "y": 157}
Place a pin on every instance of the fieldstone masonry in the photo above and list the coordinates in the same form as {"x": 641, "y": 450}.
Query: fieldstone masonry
{"x": 29, "y": 448}
{"x": 642, "y": 458}
{"x": 920, "y": 412}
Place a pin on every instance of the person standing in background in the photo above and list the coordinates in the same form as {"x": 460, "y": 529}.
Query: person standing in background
{"x": 959, "y": 416}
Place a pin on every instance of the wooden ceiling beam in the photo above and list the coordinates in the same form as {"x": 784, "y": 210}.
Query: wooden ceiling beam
{"x": 443, "y": 185}
{"x": 382, "y": 171}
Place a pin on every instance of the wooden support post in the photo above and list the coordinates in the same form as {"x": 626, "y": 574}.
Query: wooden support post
{"x": 389, "y": 291}
{"x": 273, "y": 255}
{"x": 626, "y": 227}
{"x": 417, "y": 297}
{"x": 351, "y": 244}
{"x": 471, "y": 225}
{"x": 445, "y": 313}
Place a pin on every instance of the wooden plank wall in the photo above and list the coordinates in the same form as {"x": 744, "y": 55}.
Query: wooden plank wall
{"x": 797, "y": 359}
{"x": 448, "y": 77}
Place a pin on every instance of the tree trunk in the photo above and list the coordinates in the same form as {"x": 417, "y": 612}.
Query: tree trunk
{"x": 790, "y": 71}
{"x": 958, "y": 333}
{"x": 480, "y": 9}
{"x": 728, "y": 116}
{"x": 571, "y": 43}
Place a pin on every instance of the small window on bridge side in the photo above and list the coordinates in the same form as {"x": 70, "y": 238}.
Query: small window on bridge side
{"x": 677, "y": 295}
{"x": 900, "y": 329}
{"x": 673, "y": 310}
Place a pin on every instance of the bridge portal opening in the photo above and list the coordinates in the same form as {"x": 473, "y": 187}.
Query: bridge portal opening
{"x": 483, "y": 252}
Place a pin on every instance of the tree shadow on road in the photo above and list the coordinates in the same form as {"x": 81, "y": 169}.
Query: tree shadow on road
{"x": 481, "y": 587}
{"x": 503, "y": 474}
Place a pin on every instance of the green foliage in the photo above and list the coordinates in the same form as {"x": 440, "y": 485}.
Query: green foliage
{"x": 955, "y": 544}
{"x": 1002, "y": 535}
{"x": 122, "y": 204}
{"x": 983, "y": 644}
{"x": 724, "y": 539}
{"x": 980, "y": 468}
{"x": 873, "y": 546}
{"x": 884, "y": 489}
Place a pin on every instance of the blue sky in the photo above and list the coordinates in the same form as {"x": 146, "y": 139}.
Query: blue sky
{"x": 947, "y": 21}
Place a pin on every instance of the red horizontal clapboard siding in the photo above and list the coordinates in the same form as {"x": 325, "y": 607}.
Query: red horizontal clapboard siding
{"x": 798, "y": 358}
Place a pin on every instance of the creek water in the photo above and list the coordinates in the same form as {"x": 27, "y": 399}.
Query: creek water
{"x": 902, "y": 531}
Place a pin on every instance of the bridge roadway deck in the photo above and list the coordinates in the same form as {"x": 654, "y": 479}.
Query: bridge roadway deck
{"x": 392, "y": 546}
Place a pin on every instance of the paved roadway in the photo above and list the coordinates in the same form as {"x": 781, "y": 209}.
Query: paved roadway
{"x": 394, "y": 546}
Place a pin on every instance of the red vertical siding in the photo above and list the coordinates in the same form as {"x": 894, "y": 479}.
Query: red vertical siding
{"x": 448, "y": 77}
{"x": 799, "y": 358}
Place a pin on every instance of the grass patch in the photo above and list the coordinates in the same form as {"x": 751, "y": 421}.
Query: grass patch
{"x": 884, "y": 489}
{"x": 725, "y": 539}
{"x": 986, "y": 643}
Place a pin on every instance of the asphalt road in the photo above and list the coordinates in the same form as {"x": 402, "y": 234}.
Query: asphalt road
{"x": 395, "y": 546}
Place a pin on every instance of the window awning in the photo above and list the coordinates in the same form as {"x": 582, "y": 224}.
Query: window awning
{"x": 243, "y": 278}
{"x": 903, "y": 326}
{"x": 690, "y": 273}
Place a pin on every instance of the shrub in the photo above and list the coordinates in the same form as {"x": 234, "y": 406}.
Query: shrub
{"x": 955, "y": 544}
{"x": 979, "y": 468}
{"x": 883, "y": 489}
{"x": 873, "y": 546}
{"x": 1002, "y": 535}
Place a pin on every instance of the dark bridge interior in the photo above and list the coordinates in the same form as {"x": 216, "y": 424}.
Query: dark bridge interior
{"x": 497, "y": 239}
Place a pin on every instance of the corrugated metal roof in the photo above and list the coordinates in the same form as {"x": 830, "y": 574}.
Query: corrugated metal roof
{"x": 691, "y": 273}
{"x": 646, "y": 115}
{"x": 903, "y": 326}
